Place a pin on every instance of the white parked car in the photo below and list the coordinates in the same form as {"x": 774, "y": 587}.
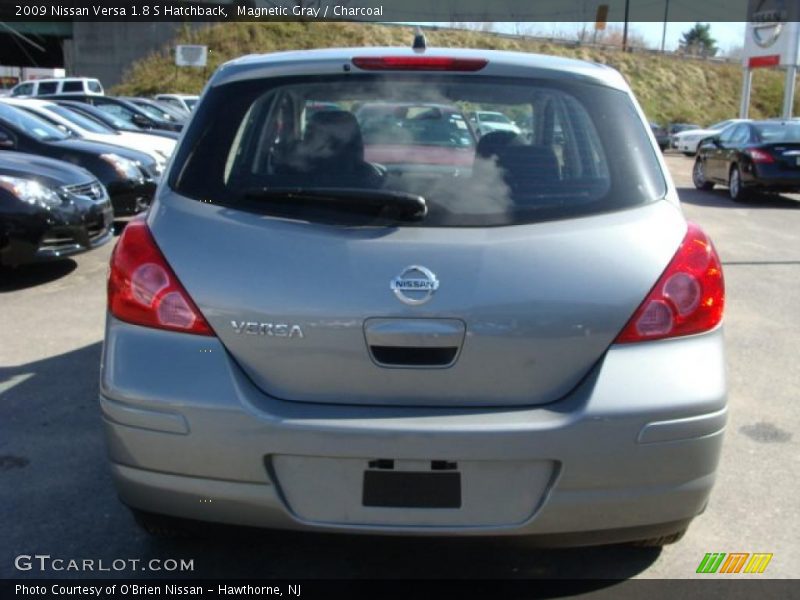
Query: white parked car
{"x": 62, "y": 85}
{"x": 185, "y": 102}
{"x": 687, "y": 141}
{"x": 485, "y": 121}
{"x": 160, "y": 148}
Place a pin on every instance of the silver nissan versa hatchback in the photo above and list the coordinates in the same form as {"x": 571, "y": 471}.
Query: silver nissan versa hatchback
{"x": 344, "y": 311}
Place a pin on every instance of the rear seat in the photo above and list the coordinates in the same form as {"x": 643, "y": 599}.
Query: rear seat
{"x": 527, "y": 170}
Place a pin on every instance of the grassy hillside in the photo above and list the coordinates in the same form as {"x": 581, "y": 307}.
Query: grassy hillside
{"x": 669, "y": 89}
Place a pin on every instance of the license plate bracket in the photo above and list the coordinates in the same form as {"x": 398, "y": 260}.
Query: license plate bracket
{"x": 411, "y": 489}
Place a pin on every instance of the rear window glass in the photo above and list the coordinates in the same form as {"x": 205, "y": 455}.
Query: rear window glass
{"x": 94, "y": 86}
{"x": 574, "y": 148}
{"x": 778, "y": 132}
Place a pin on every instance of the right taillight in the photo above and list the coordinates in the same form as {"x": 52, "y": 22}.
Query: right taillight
{"x": 688, "y": 298}
{"x": 143, "y": 289}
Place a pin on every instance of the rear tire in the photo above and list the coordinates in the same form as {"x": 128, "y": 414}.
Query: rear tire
{"x": 699, "y": 176}
{"x": 737, "y": 191}
{"x": 662, "y": 540}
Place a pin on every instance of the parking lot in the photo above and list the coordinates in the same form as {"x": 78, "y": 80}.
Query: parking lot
{"x": 56, "y": 495}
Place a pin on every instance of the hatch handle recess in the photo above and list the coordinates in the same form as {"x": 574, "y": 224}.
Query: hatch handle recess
{"x": 414, "y": 342}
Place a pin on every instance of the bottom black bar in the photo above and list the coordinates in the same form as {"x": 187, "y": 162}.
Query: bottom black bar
{"x": 653, "y": 589}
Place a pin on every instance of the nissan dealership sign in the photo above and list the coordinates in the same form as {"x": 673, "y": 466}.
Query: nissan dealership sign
{"x": 772, "y": 34}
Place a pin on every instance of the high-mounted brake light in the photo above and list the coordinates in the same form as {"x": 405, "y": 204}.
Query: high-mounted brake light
{"x": 418, "y": 63}
{"x": 143, "y": 289}
{"x": 760, "y": 156}
{"x": 688, "y": 298}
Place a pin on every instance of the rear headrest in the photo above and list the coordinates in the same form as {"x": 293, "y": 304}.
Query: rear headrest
{"x": 491, "y": 143}
{"x": 334, "y": 133}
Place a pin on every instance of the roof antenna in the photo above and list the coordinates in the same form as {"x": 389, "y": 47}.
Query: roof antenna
{"x": 419, "y": 44}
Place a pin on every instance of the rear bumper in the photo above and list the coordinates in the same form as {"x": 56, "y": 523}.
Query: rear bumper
{"x": 631, "y": 453}
{"x": 771, "y": 178}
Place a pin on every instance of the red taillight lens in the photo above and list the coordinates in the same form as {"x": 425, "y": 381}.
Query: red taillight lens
{"x": 688, "y": 298}
{"x": 418, "y": 63}
{"x": 760, "y": 156}
{"x": 142, "y": 289}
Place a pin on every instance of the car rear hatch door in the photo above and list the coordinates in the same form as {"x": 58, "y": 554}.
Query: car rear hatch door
{"x": 499, "y": 316}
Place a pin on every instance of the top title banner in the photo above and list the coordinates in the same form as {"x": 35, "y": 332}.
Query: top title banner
{"x": 422, "y": 11}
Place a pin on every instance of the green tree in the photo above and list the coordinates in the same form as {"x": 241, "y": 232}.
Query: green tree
{"x": 698, "y": 40}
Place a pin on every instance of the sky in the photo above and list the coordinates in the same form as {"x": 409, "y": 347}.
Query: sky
{"x": 727, "y": 34}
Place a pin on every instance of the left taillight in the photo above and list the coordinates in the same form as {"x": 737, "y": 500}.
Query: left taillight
{"x": 143, "y": 289}
{"x": 688, "y": 298}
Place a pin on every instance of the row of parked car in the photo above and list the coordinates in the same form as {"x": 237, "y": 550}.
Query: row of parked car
{"x": 744, "y": 155}
{"x": 70, "y": 163}
{"x": 687, "y": 137}
{"x": 749, "y": 157}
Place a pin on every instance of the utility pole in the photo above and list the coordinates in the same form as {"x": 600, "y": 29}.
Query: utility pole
{"x": 664, "y": 33}
{"x": 791, "y": 77}
{"x": 625, "y": 28}
{"x": 747, "y": 84}
{"x": 788, "y": 91}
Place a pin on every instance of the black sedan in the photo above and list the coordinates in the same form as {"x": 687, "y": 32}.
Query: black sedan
{"x": 129, "y": 176}
{"x": 124, "y": 109}
{"x": 49, "y": 209}
{"x": 757, "y": 156}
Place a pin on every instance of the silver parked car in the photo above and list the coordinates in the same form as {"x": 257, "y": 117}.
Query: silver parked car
{"x": 529, "y": 344}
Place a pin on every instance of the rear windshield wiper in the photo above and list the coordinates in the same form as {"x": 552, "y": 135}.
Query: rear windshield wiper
{"x": 381, "y": 204}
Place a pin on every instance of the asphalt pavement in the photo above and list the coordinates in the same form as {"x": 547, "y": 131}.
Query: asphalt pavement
{"x": 56, "y": 495}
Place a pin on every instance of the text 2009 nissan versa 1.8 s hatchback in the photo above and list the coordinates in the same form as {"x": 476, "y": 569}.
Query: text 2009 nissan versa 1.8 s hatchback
{"x": 300, "y": 338}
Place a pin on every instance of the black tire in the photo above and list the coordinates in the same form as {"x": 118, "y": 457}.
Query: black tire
{"x": 690, "y": 154}
{"x": 662, "y": 540}
{"x": 736, "y": 190}
{"x": 163, "y": 526}
{"x": 699, "y": 176}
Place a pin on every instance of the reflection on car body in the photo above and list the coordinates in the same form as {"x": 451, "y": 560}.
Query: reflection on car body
{"x": 425, "y": 135}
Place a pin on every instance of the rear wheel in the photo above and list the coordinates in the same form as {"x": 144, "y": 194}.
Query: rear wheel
{"x": 699, "y": 176}
{"x": 736, "y": 190}
{"x": 662, "y": 540}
